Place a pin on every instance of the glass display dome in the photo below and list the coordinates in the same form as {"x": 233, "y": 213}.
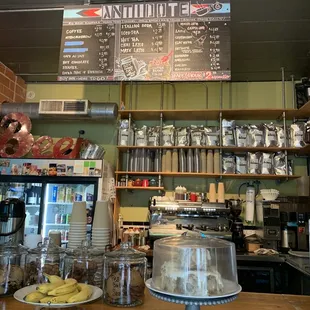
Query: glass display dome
{"x": 195, "y": 266}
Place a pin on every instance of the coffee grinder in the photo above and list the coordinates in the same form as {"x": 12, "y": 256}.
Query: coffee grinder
{"x": 236, "y": 223}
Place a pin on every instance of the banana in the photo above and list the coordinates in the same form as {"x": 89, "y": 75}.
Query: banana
{"x": 69, "y": 286}
{"x": 47, "y": 287}
{"x": 84, "y": 294}
{"x": 52, "y": 278}
{"x": 63, "y": 298}
{"x": 34, "y": 297}
{"x": 46, "y": 300}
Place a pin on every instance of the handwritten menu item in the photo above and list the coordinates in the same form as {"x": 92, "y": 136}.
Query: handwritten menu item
{"x": 88, "y": 52}
{"x": 165, "y": 40}
{"x": 198, "y": 47}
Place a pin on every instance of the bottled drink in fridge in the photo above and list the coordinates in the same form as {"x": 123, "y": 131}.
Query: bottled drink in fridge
{"x": 61, "y": 194}
{"x": 69, "y": 194}
{"x": 79, "y": 193}
{"x": 64, "y": 219}
{"x": 57, "y": 218}
{"x": 54, "y": 193}
{"x": 189, "y": 160}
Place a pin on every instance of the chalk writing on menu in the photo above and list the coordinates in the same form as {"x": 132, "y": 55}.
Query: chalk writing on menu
{"x": 171, "y": 40}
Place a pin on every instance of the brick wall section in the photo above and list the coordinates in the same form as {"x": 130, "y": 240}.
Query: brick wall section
{"x": 12, "y": 87}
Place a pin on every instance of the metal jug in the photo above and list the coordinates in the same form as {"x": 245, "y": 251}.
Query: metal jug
{"x": 12, "y": 221}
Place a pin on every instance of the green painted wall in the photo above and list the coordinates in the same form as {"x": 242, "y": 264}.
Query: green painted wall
{"x": 147, "y": 96}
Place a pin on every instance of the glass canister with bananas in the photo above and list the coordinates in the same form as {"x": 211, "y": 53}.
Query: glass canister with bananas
{"x": 123, "y": 277}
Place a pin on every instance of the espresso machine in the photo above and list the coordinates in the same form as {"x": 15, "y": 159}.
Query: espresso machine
{"x": 12, "y": 220}
{"x": 173, "y": 218}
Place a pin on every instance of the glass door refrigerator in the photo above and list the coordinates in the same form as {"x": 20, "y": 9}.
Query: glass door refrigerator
{"x": 50, "y": 190}
{"x": 58, "y": 202}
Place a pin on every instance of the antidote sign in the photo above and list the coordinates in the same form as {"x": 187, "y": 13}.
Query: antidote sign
{"x": 151, "y": 41}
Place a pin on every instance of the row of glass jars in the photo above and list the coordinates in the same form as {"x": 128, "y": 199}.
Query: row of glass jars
{"x": 121, "y": 273}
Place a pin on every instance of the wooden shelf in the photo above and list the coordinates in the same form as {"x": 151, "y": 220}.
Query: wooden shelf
{"x": 149, "y": 188}
{"x": 304, "y": 111}
{"x": 210, "y": 114}
{"x": 210, "y": 175}
{"x": 304, "y": 151}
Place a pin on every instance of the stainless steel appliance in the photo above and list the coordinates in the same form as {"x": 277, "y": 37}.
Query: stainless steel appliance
{"x": 270, "y": 231}
{"x": 172, "y": 218}
{"x": 12, "y": 220}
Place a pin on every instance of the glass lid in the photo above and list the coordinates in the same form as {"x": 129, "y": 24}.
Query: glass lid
{"x": 85, "y": 250}
{"x": 11, "y": 248}
{"x": 47, "y": 247}
{"x": 125, "y": 252}
{"x": 193, "y": 242}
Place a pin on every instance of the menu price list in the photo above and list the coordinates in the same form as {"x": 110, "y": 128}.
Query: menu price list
{"x": 201, "y": 46}
{"x": 88, "y": 52}
{"x": 142, "y": 38}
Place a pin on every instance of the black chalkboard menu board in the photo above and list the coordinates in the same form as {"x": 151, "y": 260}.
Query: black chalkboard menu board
{"x": 159, "y": 41}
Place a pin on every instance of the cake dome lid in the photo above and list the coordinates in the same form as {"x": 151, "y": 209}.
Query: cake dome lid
{"x": 194, "y": 242}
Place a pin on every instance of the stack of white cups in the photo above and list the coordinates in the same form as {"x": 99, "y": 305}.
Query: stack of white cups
{"x": 101, "y": 231}
{"x": 77, "y": 230}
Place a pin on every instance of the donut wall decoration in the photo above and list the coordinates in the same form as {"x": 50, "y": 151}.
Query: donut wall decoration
{"x": 16, "y": 141}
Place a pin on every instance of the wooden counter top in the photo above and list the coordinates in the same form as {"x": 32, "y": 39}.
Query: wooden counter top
{"x": 246, "y": 301}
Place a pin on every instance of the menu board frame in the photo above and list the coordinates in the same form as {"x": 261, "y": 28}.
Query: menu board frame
{"x": 147, "y": 41}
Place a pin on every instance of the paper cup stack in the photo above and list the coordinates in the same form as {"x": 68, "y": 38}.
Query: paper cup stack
{"x": 101, "y": 225}
{"x": 77, "y": 230}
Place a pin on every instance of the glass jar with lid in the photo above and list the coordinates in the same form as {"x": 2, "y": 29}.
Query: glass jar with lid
{"x": 123, "y": 277}
{"x": 195, "y": 266}
{"x": 47, "y": 258}
{"x": 84, "y": 264}
{"x": 12, "y": 258}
